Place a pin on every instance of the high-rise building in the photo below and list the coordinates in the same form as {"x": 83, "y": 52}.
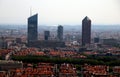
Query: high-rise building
{"x": 18, "y": 40}
{"x": 86, "y": 31}
{"x": 32, "y": 28}
{"x": 60, "y": 33}
{"x": 46, "y": 35}
{"x": 3, "y": 43}
{"x": 96, "y": 40}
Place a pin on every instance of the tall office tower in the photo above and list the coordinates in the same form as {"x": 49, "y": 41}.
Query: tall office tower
{"x": 86, "y": 31}
{"x": 46, "y": 35}
{"x": 32, "y": 28}
{"x": 60, "y": 33}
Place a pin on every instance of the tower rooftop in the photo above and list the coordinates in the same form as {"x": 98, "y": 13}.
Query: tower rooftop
{"x": 34, "y": 17}
{"x": 87, "y": 18}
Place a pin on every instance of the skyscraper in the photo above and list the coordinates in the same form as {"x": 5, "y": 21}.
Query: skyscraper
{"x": 86, "y": 31}
{"x": 46, "y": 35}
{"x": 32, "y": 28}
{"x": 60, "y": 33}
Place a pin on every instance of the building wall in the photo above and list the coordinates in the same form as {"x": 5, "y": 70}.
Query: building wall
{"x": 7, "y": 65}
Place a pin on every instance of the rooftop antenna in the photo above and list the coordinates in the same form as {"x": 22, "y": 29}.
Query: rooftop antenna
{"x": 30, "y": 11}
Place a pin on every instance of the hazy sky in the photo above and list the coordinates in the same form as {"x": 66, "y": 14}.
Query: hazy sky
{"x": 54, "y": 12}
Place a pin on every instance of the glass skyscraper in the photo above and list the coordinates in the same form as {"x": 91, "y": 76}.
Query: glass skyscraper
{"x": 32, "y": 28}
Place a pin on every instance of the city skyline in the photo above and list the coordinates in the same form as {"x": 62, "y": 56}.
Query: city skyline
{"x": 64, "y": 12}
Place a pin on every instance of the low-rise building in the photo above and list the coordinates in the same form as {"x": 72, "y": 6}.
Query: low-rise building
{"x": 67, "y": 70}
{"x": 8, "y": 65}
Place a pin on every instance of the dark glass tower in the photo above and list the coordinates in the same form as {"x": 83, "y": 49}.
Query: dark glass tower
{"x": 32, "y": 28}
{"x": 46, "y": 35}
{"x": 60, "y": 33}
{"x": 86, "y": 31}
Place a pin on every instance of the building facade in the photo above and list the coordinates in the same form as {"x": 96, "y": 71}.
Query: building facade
{"x": 32, "y": 28}
{"x": 86, "y": 31}
{"x": 60, "y": 33}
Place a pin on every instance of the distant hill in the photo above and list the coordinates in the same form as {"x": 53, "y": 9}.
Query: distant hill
{"x": 66, "y": 27}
